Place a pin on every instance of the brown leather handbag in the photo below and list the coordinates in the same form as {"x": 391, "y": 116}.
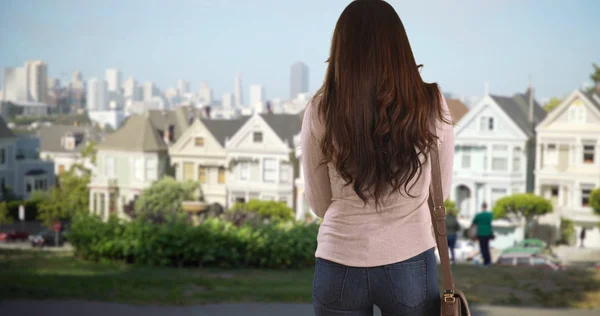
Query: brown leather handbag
{"x": 454, "y": 302}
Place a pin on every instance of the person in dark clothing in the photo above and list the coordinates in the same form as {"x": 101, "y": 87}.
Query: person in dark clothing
{"x": 483, "y": 221}
{"x": 452, "y": 228}
{"x": 582, "y": 236}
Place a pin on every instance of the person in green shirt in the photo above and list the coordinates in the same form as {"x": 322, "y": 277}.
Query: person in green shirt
{"x": 483, "y": 221}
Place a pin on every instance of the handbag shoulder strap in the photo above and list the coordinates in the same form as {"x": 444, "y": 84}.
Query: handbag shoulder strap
{"x": 438, "y": 216}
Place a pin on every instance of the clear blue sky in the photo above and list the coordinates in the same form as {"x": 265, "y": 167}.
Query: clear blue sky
{"x": 461, "y": 43}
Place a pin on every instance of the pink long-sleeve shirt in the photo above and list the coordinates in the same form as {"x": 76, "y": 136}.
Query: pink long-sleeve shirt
{"x": 356, "y": 235}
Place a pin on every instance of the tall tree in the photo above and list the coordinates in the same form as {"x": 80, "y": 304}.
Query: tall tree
{"x": 595, "y": 76}
{"x": 524, "y": 206}
{"x": 552, "y": 104}
{"x": 164, "y": 198}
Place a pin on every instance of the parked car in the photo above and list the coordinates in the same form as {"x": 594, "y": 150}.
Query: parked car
{"x": 46, "y": 238}
{"x": 529, "y": 259}
{"x": 14, "y": 236}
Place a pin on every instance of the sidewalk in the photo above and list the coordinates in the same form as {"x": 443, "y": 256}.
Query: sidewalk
{"x": 76, "y": 308}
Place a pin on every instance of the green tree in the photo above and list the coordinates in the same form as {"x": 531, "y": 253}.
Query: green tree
{"x": 595, "y": 200}
{"x": 451, "y": 208}
{"x": 595, "y": 76}
{"x": 164, "y": 198}
{"x": 70, "y": 196}
{"x": 552, "y": 104}
{"x": 567, "y": 231}
{"x": 5, "y": 217}
{"x": 525, "y": 206}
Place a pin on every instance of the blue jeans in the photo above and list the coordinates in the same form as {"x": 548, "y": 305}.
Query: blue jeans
{"x": 406, "y": 288}
{"x": 451, "y": 246}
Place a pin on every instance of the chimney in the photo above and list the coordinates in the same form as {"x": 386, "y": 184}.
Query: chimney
{"x": 598, "y": 88}
{"x": 530, "y": 92}
{"x": 207, "y": 111}
{"x": 269, "y": 108}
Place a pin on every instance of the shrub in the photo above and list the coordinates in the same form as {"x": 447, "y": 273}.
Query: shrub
{"x": 265, "y": 209}
{"x": 451, "y": 208}
{"x": 567, "y": 231}
{"x": 214, "y": 242}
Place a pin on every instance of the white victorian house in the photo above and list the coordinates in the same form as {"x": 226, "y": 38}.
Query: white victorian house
{"x": 260, "y": 156}
{"x": 200, "y": 155}
{"x": 494, "y": 157}
{"x": 568, "y": 164}
{"x": 127, "y": 162}
{"x": 64, "y": 144}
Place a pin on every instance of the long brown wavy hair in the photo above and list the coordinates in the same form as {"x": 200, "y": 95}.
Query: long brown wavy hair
{"x": 375, "y": 107}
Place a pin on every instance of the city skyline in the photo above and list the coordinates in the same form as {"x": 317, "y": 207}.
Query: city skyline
{"x": 500, "y": 42}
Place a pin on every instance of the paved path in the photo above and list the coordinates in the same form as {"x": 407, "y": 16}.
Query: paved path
{"x": 77, "y": 308}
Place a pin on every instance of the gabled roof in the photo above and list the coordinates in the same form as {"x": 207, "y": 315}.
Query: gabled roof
{"x": 137, "y": 133}
{"x": 5, "y": 132}
{"x": 457, "y": 109}
{"x": 51, "y": 136}
{"x": 162, "y": 119}
{"x": 517, "y": 108}
{"x": 223, "y": 129}
{"x": 590, "y": 96}
{"x": 286, "y": 126}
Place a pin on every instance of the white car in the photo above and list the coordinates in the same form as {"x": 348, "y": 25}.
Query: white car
{"x": 464, "y": 251}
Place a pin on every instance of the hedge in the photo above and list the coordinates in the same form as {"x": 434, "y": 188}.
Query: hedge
{"x": 214, "y": 242}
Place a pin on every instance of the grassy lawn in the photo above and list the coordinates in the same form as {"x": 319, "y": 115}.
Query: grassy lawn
{"x": 44, "y": 275}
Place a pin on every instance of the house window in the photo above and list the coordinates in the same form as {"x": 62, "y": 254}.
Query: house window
{"x": 588, "y": 154}
{"x": 554, "y": 191}
{"x": 151, "y": 166}
{"x": 283, "y": 199}
{"x": 551, "y": 154}
{"x": 269, "y": 169}
{"x": 254, "y": 196}
{"x": 499, "y": 158}
{"x": 2, "y": 156}
{"x": 466, "y": 158}
{"x": 138, "y": 169}
{"x": 268, "y": 198}
{"x": 517, "y": 160}
{"x": 2, "y": 184}
{"x": 109, "y": 167}
{"x": 61, "y": 169}
{"x": 188, "y": 171}
{"x": 221, "y": 175}
{"x": 486, "y": 123}
{"x": 244, "y": 170}
{"x": 577, "y": 112}
{"x": 585, "y": 197}
{"x": 102, "y": 203}
{"x": 496, "y": 194}
{"x": 257, "y": 137}
{"x": 202, "y": 174}
{"x": 199, "y": 141}
{"x": 284, "y": 174}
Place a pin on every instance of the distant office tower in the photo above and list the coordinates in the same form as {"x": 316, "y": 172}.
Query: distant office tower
{"x": 206, "y": 93}
{"x": 15, "y": 86}
{"x": 97, "y": 99}
{"x": 37, "y": 73}
{"x": 228, "y": 99}
{"x": 298, "y": 79}
{"x": 149, "y": 90}
{"x": 131, "y": 90}
{"x": 53, "y": 83}
{"x": 257, "y": 94}
{"x": 183, "y": 87}
{"x": 113, "y": 79}
{"x": 77, "y": 80}
{"x": 239, "y": 98}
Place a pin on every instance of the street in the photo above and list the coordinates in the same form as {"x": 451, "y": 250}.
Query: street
{"x": 76, "y": 308}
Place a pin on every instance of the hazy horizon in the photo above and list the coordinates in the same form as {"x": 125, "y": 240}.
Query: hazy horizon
{"x": 461, "y": 46}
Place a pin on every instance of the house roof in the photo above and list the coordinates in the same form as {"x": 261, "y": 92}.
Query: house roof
{"x": 457, "y": 109}
{"x": 223, "y": 129}
{"x": 517, "y": 108}
{"x": 163, "y": 119}
{"x": 137, "y": 133}
{"x": 5, "y": 132}
{"x": 286, "y": 126}
{"x": 51, "y": 136}
{"x": 590, "y": 96}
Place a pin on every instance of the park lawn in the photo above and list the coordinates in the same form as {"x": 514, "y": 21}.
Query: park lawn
{"x": 50, "y": 275}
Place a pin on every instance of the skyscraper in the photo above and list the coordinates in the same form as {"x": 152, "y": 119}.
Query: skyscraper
{"x": 149, "y": 90}
{"x": 228, "y": 100}
{"x": 257, "y": 94}
{"x": 53, "y": 83}
{"x": 183, "y": 87}
{"x": 206, "y": 94}
{"x": 15, "y": 86}
{"x": 113, "y": 79}
{"x": 237, "y": 93}
{"x": 37, "y": 76}
{"x": 130, "y": 89}
{"x": 97, "y": 95}
{"x": 298, "y": 79}
{"x": 77, "y": 80}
